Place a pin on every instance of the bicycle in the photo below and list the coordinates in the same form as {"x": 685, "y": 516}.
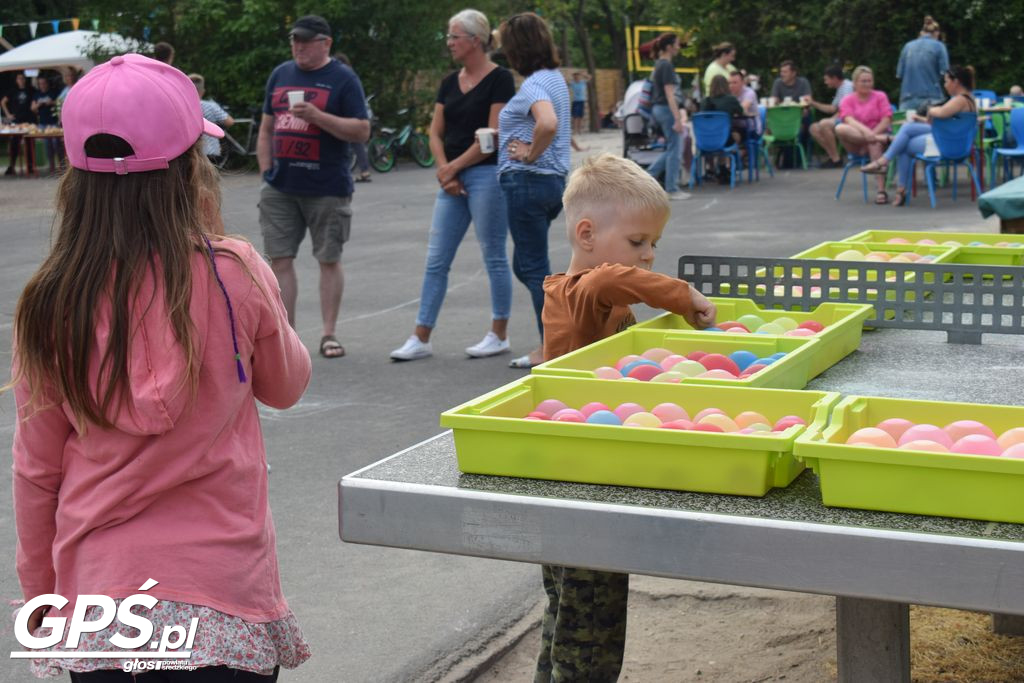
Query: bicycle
{"x": 384, "y": 149}
{"x": 234, "y": 152}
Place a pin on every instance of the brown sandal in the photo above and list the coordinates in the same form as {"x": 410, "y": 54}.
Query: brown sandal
{"x": 330, "y": 348}
{"x": 899, "y": 197}
{"x": 875, "y": 168}
{"x": 881, "y": 198}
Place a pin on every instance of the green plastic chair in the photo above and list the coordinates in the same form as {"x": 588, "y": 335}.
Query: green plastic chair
{"x": 783, "y": 130}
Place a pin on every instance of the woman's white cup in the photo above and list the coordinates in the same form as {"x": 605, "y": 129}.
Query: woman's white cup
{"x": 485, "y": 137}
{"x": 296, "y": 97}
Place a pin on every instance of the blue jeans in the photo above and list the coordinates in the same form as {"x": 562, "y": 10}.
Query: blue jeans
{"x": 533, "y": 200}
{"x": 484, "y": 205}
{"x": 671, "y": 159}
{"x": 908, "y": 143}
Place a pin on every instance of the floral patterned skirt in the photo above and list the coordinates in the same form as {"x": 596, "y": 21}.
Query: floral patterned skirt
{"x": 220, "y": 640}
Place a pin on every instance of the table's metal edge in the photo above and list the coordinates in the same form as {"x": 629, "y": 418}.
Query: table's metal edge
{"x": 918, "y": 568}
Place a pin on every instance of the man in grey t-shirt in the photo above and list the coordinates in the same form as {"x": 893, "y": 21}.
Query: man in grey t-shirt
{"x": 796, "y": 88}
{"x": 824, "y": 131}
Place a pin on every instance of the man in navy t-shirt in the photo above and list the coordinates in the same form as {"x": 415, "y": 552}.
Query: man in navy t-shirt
{"x": 314, "y": 108}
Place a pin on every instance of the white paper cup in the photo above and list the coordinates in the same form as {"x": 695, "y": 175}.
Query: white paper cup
{"x": 787, "y": 100}
{"x": 485, "y": 136}
{"x": 296, "y": 97}
{"x": 1007, "y": 101}
{"x": 772, "y": 101}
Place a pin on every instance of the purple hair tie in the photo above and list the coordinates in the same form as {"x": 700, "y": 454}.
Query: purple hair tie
{"x": 231, "y": 312}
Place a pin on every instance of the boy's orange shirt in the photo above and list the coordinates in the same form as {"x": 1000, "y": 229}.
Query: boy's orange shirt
{"x": 593, "y": 304}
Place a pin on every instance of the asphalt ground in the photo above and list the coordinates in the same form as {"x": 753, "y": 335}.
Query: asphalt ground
{"x": 378, "y": 614}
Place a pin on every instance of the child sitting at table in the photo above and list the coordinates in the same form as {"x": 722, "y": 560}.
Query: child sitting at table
{"x": 615, "y": 214}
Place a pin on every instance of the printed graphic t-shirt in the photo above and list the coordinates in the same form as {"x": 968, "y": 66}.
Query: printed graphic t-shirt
{"x": 307, "y": 160}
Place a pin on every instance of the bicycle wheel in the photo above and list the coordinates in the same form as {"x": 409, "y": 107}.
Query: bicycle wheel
{"x": 220, "y": 160}
{"x": 382, "y": 156}
{"x": 419, "y": 146}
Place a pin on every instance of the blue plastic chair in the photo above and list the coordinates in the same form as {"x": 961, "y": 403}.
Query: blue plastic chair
{"x": 987, "y": 94}
{"x": 954, "y": 137}
{"x": 854, "y": 160}
{"x": 1010, "y": 154}
{"x": 756, "y": 153}
{"x": 711, "y": 131}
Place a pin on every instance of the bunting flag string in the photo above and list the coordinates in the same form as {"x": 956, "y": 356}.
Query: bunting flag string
{"x": 33, "y": 26}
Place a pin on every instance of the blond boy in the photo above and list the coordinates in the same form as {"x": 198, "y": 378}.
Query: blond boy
{"x": 615, "y": 214}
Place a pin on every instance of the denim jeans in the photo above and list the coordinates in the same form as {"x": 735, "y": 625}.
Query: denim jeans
{"x": 908, "y": 143}
{"x": 533, "y": 201}
{"x": 484, "y": 205}
{"x": 671, "y": 159}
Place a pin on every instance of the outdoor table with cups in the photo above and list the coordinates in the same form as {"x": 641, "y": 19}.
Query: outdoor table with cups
{"x": 878, "y": 527}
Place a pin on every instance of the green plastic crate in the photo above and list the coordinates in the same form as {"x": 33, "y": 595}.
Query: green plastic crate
{"x": 964, "y": 238}
{"x": 792, "y": 371}
{"x": 830, "y": 250}
{"x": 492, "y": 438}
{"x": 985, "y": 256}
{"x": 844, "y": 324}
{"x": 916, "y": 482}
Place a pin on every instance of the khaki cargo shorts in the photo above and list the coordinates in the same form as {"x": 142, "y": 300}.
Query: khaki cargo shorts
{"x": 285, "y": 217}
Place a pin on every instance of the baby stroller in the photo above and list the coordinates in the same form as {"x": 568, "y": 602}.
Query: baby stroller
{"x": 639, "y": 135}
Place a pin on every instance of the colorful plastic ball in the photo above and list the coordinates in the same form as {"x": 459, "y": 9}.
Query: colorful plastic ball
{"x": 912, "y": 256}
{"x": 604, "y": 417}
{"x": 926, "y": 432}
{"x": 872, "y": 436}
{"x": 759, "y": 427}
{"x": 605, "y": 372}
{"x": 977, "y": 444}
{"x": 800, "y": 332}
{"x": 900, "y": 258}
{"x": 738, "y": 329}
{"x": 812, "y": 325}
{"x": 961, "y": 428}
{"x": 785, "y": 322}
{"x": 749, "y": 417}
{"x": 717, "y": 374}
{"x": 645, "y": 373}
{"x": 629, "y": 379}
{"x": 695, "y": 355}
{"x": 569, "y": 415}
{"x": 1011, "y": 437}
{"x": 777, "y": 355}
{"x": 707, "y": 427}
{"x": 670, "y": 360}
{"x": 786, "y": 422}
{"x": 1014, "y": 451}
{"x": 538, "y": 415}
{"x": 716, "y": 361}
{"x": 897, "y": 240}
{"x": 656, "y": 354}
{"x": 626, "y": 360}
{"x": 771, "y": 328}
{"x": 669, "y": 377}
{"x": 750, "y": 321}
{"x": 689, "y": 368}
{"x": 850, "y": 255}
{"x": 624, "y": 410}
{"x": 729, "y": 324}
{"x": 629, "y": 367}
{"x": 767, "y": 360}
{"x": 593, "y": 407}
{"x": 642, "y": 419}
{"x": 895, "y": 426}
{"x": 726, "y": 423}
{"x": 952, "y": 243}
{"x": 923, "y": 445}
{"x": 713, "y": 329}
{"x": 668, "y": 412}
{"x": 976, "y": 243}
{"x": 753, "y": 369}
{"x": 742, "y": 358}
{"x": 550, "y": 406}
{"x": 927, "y": 241}
{"x": 677, "y": 424}
{"x": 707, "y": 411}
{"x": 876, "y": 256}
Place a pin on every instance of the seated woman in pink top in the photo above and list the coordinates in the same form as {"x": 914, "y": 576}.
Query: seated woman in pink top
{"x": 866, "y": 118}
{"x": 141, "y": 347}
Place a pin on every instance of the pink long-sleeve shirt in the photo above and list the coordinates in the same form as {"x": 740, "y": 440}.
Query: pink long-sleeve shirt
{"x": 177, "y": 490}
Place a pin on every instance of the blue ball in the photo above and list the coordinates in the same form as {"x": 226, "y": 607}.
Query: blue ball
{"x": 777, "y": 355}
{"x": 743, "y": 358}
{"x": 976, "y": 244}
{"x": 766, "y": 361}
{"x": 626, "y": 369}
{"x": 713, "y": 329}
{"x": 603, "y": 417}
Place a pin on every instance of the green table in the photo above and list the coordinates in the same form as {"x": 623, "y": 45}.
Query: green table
{"x": 1007, "y": 201}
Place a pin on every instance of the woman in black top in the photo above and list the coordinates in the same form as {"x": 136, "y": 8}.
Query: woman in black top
{"x": 467, "y": 100}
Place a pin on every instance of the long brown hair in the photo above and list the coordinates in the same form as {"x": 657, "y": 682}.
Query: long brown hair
{"x": 527, "y": 44}
{"x": 111, "y": 231}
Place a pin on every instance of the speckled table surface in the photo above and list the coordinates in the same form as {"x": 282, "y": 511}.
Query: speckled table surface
{"x": 894, "y": 363}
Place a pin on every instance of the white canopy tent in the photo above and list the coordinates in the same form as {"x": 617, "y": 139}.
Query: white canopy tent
{"x": 64, "y": 49}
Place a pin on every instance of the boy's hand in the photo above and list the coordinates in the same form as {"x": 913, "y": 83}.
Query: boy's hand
{"x": 703, "y": 310}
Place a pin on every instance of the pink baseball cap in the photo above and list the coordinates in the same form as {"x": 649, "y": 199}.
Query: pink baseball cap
{"x": 152, "y": 106}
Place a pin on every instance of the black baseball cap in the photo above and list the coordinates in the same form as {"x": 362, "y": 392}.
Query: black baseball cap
{"x": 310, "y": 26}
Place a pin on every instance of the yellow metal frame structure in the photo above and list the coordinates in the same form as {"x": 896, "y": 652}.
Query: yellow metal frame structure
{"x": 633, "y": 61}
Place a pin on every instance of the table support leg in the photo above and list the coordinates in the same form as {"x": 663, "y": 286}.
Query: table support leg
{"x": 872, "y": 641}
{"x": 1008, "y": 624}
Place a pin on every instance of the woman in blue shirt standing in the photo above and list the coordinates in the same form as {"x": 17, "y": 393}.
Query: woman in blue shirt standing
{"x": 922, "y": 63}
{"x": 533, "y": 154}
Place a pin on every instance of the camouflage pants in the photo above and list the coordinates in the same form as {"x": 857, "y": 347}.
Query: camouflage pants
{"x": 584, "y": 625}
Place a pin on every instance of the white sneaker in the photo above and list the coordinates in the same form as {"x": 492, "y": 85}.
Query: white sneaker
{"x": 412, "y": 349}
{"x": 490, "y": 345}
{"x": 677, "y": 195}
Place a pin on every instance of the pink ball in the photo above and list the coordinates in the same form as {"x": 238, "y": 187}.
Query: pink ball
{"x": 716, "y": 361}
{"x": 668, "y": 412}
{"x": 677, "y": 424}
{"x": 799, "y": 332}
{"x": 732, "y": 324}
{"x": 550, "y": 406}
{"x": 695, "y": 355}
{"x": 592, "y": 408}
{"x": 717, "y": 374}
{"x": 1011, "y": 437}
{"x": 706, "y": 427}
{"x": 569, "y": 415}
{"x": 752, "y": 368}
{"x": 670, "y": 361}
{"x": 1015, "y": 451}
{"x": 707, "y": 411}
{"x": 961, "y": 428}
{"x": 812, "y": 325}
{"x": 926, "y": 432}
{"x": 872, "y": 436}
{"x": 786, "y": 422}
{"x": 626, "y": 360}
{"x": 538, "y": 415}
{"x": 977, "y": 444}
{"x": 897, "y": 240}
{"x": 605, "y": 372}
{"x": 895, "y": 426}
{"x": 738, "y": 329}
{"x": 922, "y": 445}
{"x": 624, "y": 410}
{"x": 645, "y": 373}
{"x": 656, "y": 354}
